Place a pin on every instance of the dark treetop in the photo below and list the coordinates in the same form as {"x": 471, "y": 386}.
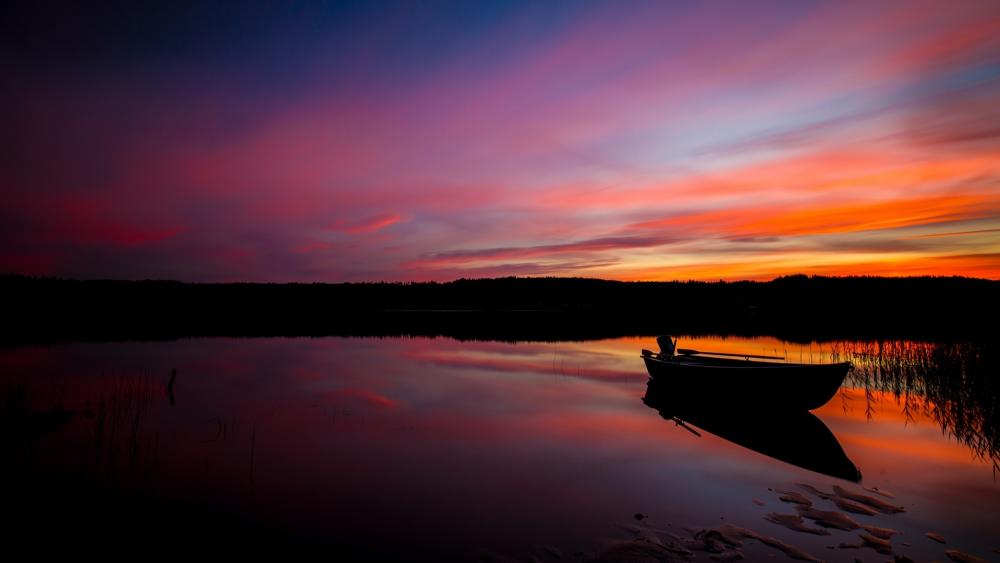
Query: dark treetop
{"x": 797, "y": 307}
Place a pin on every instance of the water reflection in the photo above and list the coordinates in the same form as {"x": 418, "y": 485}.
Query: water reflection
{"x": 957, "y": 384}
{"x": 792, "y": 436}
{"x": 433, "y": 449}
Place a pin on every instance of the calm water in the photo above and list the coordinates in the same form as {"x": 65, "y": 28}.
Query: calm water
{"x": 435, "y": 448}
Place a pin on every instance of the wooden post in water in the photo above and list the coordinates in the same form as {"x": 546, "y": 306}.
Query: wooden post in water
{"x": 170, "y": 386}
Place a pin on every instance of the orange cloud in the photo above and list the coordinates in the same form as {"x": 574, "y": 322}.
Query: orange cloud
{"x": 766, "y": 267}
{"x": 865, "y": 216}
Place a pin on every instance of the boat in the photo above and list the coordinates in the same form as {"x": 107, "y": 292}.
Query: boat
{"x": 795, "y": 437}
{"x": 742, "y": 381}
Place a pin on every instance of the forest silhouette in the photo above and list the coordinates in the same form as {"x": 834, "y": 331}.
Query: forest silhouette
{"x": 795, "y": 308}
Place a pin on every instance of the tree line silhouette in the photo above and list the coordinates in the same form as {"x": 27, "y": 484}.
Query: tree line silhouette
{"x": 795, "y": 308}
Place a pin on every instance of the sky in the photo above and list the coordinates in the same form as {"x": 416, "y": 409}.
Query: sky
{"x": 411, "y": 141}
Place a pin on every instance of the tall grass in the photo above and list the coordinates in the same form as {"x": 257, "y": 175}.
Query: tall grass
{"x": 956, "y": 384}
{"x": 121, "y": 447}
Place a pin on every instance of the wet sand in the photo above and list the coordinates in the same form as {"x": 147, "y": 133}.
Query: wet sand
{"x": 651, "y": 541}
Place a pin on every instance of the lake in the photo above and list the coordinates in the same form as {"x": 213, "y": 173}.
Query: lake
{"x": 433, "y": 448}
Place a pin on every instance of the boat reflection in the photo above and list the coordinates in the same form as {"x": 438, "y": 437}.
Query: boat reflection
{"x": 791, "y": 436}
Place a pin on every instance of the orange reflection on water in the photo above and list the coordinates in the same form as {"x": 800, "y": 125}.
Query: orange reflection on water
{"x": 545, "y": 442}
{"x": 889, "y": 427}
{"x": 889, "y": 432}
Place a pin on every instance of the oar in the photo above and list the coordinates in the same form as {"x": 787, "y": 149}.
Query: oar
{"x": 683, "y": 425}
{"x": 689, "y": 352}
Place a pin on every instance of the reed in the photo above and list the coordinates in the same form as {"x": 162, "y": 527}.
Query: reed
{"x": 119, "y": 440}
{"x": 957, "y": 384}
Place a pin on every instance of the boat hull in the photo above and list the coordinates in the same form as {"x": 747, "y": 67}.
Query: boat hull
{"x": 748, "y": 385}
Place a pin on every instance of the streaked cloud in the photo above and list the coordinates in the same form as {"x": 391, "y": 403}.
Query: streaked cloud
{"x": 366, "y": 225}
{"x": 653, "y": 141}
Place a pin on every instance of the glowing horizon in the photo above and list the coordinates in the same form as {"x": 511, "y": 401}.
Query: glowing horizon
{"x": 647, "y": 141}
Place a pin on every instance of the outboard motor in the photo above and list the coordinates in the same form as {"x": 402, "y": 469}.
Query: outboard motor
{"x": 666, "y": 344}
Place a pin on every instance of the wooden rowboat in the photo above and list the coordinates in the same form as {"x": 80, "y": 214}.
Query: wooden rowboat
{"x": 739, "y": 382}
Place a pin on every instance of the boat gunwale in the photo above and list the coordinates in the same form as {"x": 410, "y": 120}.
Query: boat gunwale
{"x": 748, "y": 364}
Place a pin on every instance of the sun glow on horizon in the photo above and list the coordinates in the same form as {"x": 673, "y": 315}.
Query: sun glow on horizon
{"x": 658, "y": 142}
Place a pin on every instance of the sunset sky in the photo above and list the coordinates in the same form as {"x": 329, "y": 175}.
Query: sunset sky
{"x": 437, "y": 140}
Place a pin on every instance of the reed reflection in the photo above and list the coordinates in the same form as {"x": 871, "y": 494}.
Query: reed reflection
{"x": 956, "y": 384}
{"x": 352, "y": 443}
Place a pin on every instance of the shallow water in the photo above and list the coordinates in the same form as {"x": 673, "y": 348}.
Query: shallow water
{"x": 435, "y": 448}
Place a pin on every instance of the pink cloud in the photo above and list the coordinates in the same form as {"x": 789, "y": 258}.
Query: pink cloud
{"x": 526, "y": 365}
{"x": 367, "y": 397}
{"x": 618, "y": 144}
{"x": 366, "y": 225}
